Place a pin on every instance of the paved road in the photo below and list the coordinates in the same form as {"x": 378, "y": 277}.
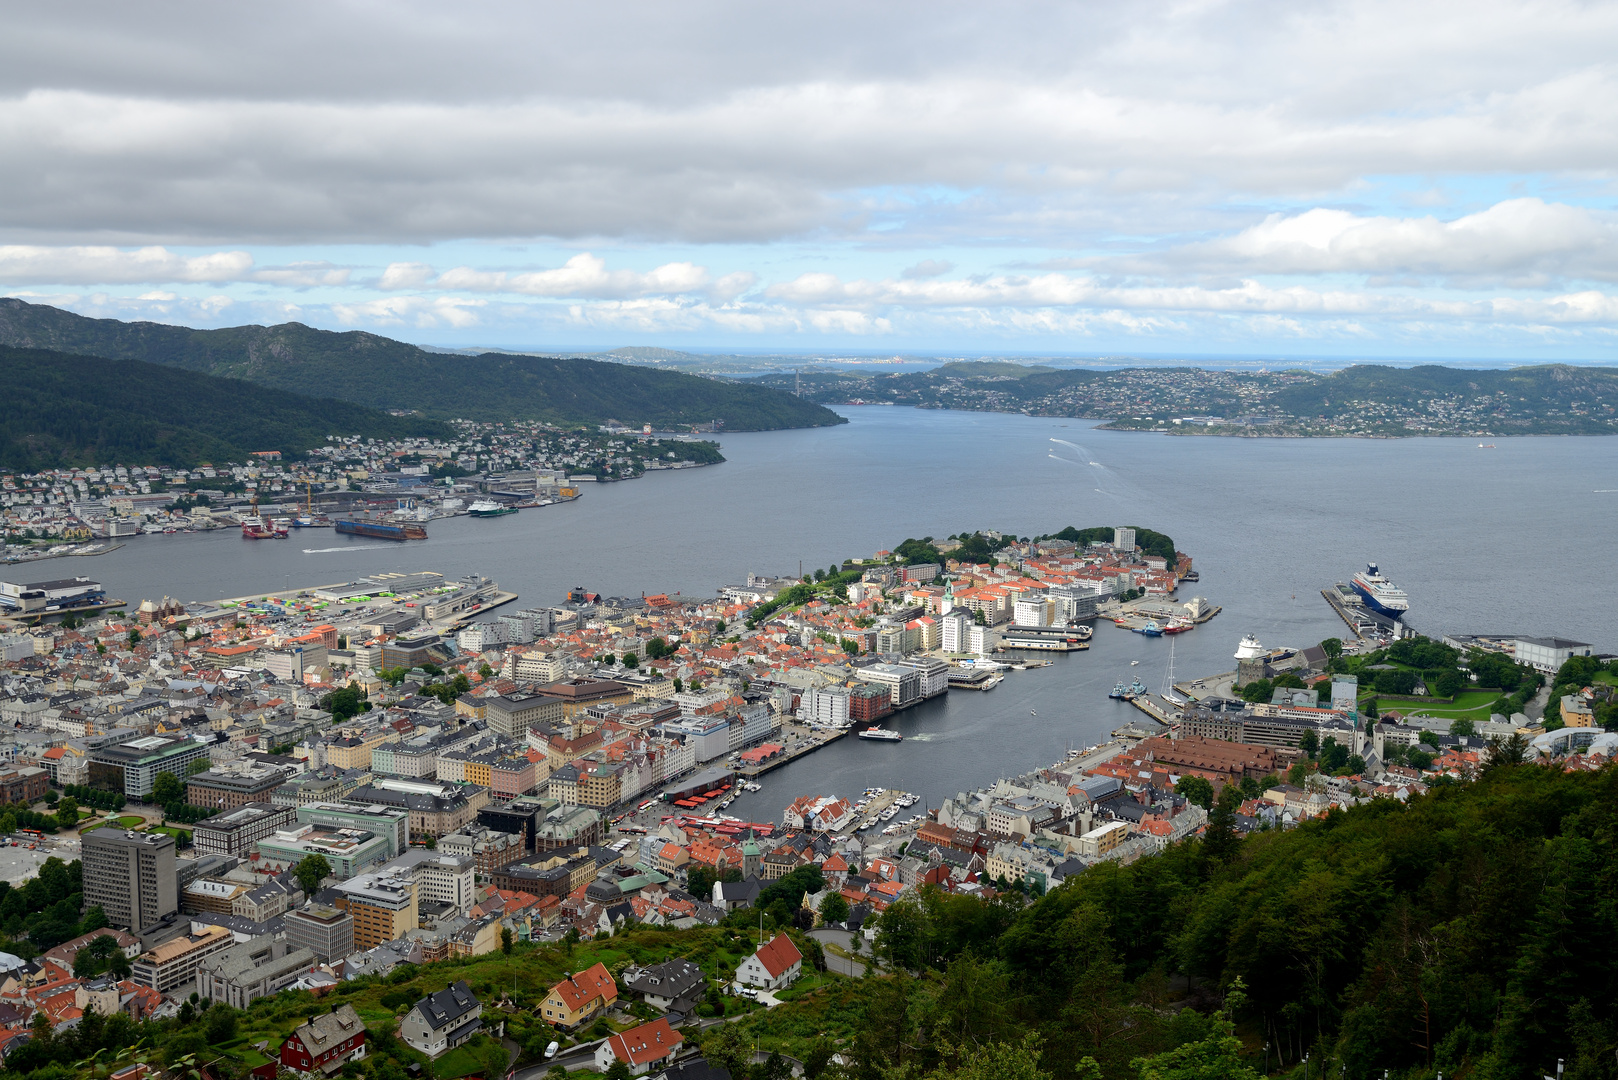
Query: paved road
{"x": 843, "y": 940}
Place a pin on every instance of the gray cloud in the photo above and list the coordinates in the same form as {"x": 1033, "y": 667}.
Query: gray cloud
{"x": 928, "y": 268}
{"x": 726, "y": 123}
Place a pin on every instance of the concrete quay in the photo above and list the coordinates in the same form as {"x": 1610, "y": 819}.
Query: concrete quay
{"x": 818, "y": 739}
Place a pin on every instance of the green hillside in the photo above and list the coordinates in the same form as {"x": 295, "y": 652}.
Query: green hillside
{"x": 1574, "y": 393}
{"x": 83, "y": 410}
{"x": 990, "y": 369}
{"x": 385, "y": 374}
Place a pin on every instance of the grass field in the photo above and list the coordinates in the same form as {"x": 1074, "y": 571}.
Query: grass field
{"x": 127, "y": 821}
{"x": 1471, "y": 705}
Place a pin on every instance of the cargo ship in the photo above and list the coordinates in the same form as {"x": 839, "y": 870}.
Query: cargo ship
{"x": 382, "y": 530}
{"x": 257, "y": 528}
{"x": 486, "y": 508}
{"x": 1381, "y": 595}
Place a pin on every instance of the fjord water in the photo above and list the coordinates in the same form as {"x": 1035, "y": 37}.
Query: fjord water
{"x": 1515, "y": 538}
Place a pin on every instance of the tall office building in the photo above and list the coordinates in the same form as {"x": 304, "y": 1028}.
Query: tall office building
{"x": 131, "y": 875}
{"x": 323, "y": 930}
{"x": 1123, "y": 539}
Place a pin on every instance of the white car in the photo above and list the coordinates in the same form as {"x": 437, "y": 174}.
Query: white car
{"x": 550, "y": 1051}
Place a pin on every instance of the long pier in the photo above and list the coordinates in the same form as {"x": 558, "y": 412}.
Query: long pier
{"x": 1353, "y": 615}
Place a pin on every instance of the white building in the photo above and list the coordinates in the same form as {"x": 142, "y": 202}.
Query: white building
{"x": 1548, "y": 654}
{"x": 953, "y": 627}
{"x": 774, "y": 967}
{"x": 480, "y": 637}
{"x": 1033, "y": 611}
{"x": 439, "y": 876}
{"x": 824, "y": 706}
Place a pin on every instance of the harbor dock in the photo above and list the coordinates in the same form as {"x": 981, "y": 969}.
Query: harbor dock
{"x": 820, "y": 739}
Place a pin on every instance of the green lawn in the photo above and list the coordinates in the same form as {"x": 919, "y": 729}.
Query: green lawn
{"x": 807, "y": 984}
{"x": 458, "y": 1062}
{"x": 125, "y": 822}
{"x": 1472, "y": 705}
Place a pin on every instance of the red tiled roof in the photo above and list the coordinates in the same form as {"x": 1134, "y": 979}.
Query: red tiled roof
{"x": 649, "y": 1042}
{"x": 779, "y": 954}
{"x": 585, "y": 987}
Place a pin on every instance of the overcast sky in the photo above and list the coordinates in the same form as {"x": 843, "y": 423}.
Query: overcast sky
{"x": 1367, "y": 179}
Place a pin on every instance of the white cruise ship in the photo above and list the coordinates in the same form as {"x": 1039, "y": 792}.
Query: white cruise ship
{"x": 1381, "y": 595}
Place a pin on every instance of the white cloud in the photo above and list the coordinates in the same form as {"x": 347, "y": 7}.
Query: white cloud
{"x": 423, "y": 312}
{"x": 302, "y": 275}
{"x": 1248, "y": 297}
{"x": 584, "y": 275}
{"x": 34, "y": 264}
{"x": 1524, "y": 239}
{"x": 114, "y": 266}
{"x": 405, "y": 275}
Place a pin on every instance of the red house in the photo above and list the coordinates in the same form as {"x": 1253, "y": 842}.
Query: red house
{"x": 325, "y": 1043}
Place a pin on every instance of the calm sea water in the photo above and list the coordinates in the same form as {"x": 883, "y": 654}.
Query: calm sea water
{"x": 1515, "y": 538}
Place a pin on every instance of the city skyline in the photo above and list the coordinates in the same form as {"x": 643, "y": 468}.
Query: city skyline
{"x": 1202, "y": 180}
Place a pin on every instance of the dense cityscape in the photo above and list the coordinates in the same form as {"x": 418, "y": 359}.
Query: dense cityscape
{"x": 323, "y": 790}
{"x": 111, "y": 501}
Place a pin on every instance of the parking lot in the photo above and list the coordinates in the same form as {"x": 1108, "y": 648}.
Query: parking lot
{"x": 18, "y": 864}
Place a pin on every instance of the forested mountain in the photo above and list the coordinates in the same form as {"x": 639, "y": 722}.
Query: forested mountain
{"x": 385, "y": 374}
{"x": 82, "y": 410}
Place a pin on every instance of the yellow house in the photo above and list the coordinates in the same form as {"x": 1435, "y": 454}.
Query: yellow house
{"x": 580, "y": 998}
{"x": 477, "y": 771}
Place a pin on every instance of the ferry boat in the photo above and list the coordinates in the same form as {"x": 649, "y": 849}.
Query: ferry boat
{"x": 1381, "y": 595}
{"x": 488, "y": 508}
{"x": 880, "y": 734}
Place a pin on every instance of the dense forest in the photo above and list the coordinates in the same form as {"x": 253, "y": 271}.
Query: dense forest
{"x": 978, "y": 547}
{"x": 1468, "y": 932}
{"x": 84, "y": 410}
{"x": 381, "y": 373}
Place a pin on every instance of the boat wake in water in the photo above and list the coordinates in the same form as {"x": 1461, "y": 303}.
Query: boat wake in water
{"x": 358, "y": 547}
